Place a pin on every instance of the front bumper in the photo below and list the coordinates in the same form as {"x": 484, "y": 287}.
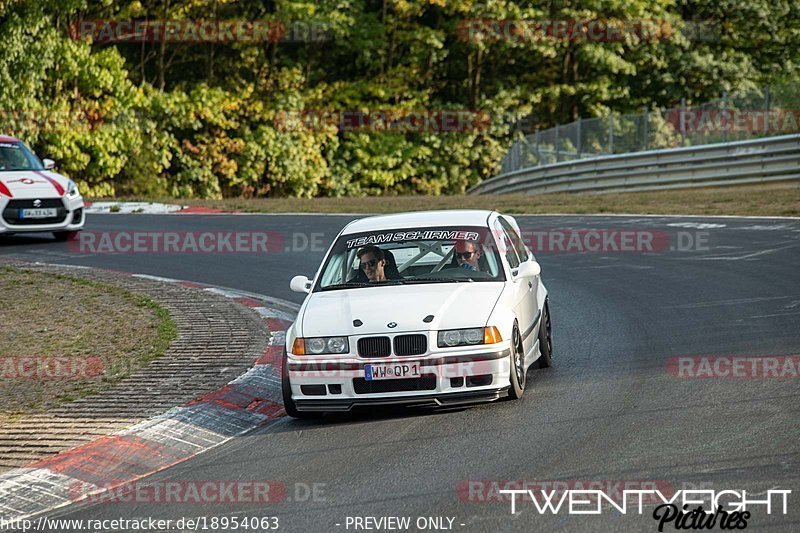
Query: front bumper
{"x": 70, "y": 216}
{"x": 339, "y": 384}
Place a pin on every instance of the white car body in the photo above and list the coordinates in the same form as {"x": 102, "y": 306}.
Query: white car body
{"x": 393, "y": 310}
{"x": 30, "y": 191}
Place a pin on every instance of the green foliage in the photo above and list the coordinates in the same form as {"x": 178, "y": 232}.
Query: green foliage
{"x": 208, "y": 120}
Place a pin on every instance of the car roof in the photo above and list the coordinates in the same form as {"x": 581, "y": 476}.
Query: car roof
{"x": 421, "y": 219}
{"x": 8, "y": 139}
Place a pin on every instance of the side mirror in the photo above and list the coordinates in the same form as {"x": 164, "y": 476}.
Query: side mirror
{"x": 529, "y": 269}
{"x": 300, "y": 284}
{"x": 48, "y": 164}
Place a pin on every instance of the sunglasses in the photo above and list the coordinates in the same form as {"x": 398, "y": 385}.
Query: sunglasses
{"x": 371, "y": 263}
{"x": 464, "y": 255}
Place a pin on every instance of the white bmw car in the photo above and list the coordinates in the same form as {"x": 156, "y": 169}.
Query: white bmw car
{"x": 32, "y": 197}
{"x": 432, "y": 308}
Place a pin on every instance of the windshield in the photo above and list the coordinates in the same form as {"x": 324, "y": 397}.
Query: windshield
{"x": 17, "y": 156}
{"x": 411, "y": 256}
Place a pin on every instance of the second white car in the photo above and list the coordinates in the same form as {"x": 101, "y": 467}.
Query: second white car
{"x": 33, "y": 198}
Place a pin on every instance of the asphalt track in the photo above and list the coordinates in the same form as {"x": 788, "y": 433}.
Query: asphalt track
{"x": 607, "y": 410}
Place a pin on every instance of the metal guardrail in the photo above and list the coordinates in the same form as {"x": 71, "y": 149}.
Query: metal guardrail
{"x": 754, "y": 161}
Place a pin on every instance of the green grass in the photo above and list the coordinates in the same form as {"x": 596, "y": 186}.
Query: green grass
{"x": 59, "y": 316}
{"x": 760, "y": 200}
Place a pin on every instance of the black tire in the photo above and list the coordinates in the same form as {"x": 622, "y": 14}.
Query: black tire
{"x": 63, "y": 236}
{"x": 286, "y": 390}
{"x": 546, "y": 339}
{"x": 517, "y": 371}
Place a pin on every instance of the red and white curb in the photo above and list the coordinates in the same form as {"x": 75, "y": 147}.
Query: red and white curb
{"x": 147, "y": 208}
{"x": 249, "y": 401}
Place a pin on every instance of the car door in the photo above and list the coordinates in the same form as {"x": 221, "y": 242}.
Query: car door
{"x": 529, "y": 308}
{"x": 516, "y": 284}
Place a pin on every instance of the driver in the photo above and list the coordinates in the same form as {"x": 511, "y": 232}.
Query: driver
{"x": 372, "y": 262}
{"x": 467, "y": 254}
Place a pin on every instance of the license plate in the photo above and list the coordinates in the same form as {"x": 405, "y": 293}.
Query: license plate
{"x": 391, "y": 371}
{"x": 38, "y": 213}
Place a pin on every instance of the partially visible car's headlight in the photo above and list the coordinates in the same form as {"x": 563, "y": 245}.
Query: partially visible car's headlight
{"x": 72, "y": 190}
{"x": 468, "y": 337}
{"x": 320, "y": 345}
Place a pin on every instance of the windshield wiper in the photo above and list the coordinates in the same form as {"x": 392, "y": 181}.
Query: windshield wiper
{"x": 347, "y": 285}
{"x": 439, "y": 280}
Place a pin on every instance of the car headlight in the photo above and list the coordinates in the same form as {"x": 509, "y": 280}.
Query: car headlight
{"x": 72, "y": 189}
{"x": 468, "y": 337}
{"x": 320, "y": 345}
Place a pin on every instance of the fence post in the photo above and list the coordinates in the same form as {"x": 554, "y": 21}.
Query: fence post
{"x": 579, "y": 138}
{"x": 558, "y": 152}
{"x": 766, "y": 110}
{"x": 646, "y": 114}
{"x": 683, "y": 121}
{"x": 611, "y": 133}
{"x": 538, "y": 153}
{"x": 724, "y": 116}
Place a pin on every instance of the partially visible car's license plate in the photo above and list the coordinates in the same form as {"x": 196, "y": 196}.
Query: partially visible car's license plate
{"x": 38, "y": 213}
{"x": 391, "y": 371}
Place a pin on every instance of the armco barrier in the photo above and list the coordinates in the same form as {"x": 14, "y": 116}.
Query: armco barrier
{"x": 738, "y": 163}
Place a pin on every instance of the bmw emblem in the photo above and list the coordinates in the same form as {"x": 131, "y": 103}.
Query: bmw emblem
{"x": 392, "y": 324}
{"x": 37, "y": 203}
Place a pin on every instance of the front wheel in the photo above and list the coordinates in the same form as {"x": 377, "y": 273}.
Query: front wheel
{"x": 286, "y": 390}
{"x": 517, "y": 378}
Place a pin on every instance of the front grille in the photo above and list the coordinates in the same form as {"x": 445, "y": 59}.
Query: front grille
{"x": 424, "y": 382}
{"x": 410, "y": 344}
{"x": 11, "y": 212}
{"x": 374, "y": 347}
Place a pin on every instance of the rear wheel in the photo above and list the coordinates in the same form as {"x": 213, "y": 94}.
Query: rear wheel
{"x": 65, "y": 235}
{"x": 546, "y": 339}
{"x": 517, "y": 378}
{"x": 286, "y": 388}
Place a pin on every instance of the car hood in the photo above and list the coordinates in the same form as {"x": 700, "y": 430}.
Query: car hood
{"x": 453, "y": 305}
{"x": 25, "y": 184}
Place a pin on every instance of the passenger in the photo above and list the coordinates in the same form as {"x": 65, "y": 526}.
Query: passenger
{"x": 373, "y": 263}
{"x": 467, "y": 253}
